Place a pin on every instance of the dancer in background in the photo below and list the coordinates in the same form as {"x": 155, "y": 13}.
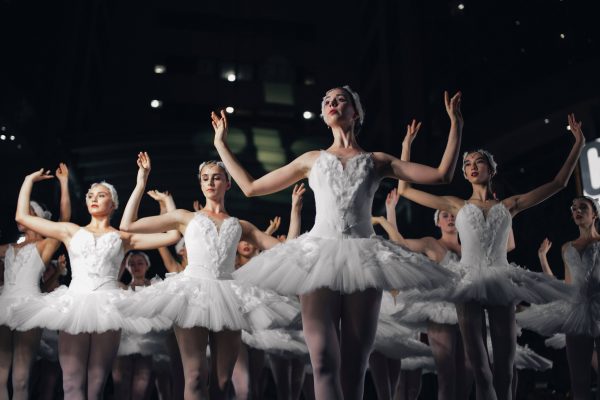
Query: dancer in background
{"x": 487, "y": 280}
{"x": 86, "y": 313}
{"x": 339, "y": 268}
{"x": 25, "y": 264}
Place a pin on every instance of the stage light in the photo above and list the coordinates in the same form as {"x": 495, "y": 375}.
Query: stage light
{"x": 156, "y": 103}
{"x": 562, "y": 36}
{"x": 461, "y": 6}
{"x": 568, "y": 127}
{"x": 546, "y": 121}
{"x": 12, "y": 137}
{"x": 2, "y": 137}
{"x": 308, "y": 115}
{"x": 229, "y": 110}
{"x": 3, "y": 128}
{"x": 160, "y": 69}
{"x": 518, "y": 23}
{"x": 231, "y": 77}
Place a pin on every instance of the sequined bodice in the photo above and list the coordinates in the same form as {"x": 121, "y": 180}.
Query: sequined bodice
{"x": 211, "y": 252}
{"x": 483, "y": 238}
{"x": 343, "y": 196}
{"x": 23, "y": 268}
{"x": 584, "y": 267}
{"x": 95, "y": 260}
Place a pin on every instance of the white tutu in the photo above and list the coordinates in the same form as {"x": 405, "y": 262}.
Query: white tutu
{"x": 147, "y": 344}
{"x": 557, "y": 341}
{"x": 427, "y": 364}
{"x": 396, "y": 341}
{"x": 526, "y": 358}
{"x": 420, "y": 313}
{"x": 280, "y": 342}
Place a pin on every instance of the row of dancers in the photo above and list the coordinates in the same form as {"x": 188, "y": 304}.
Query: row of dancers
{"x": 340, "y": 270}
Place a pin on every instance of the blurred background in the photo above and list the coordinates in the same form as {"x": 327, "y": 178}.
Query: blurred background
{"x": 92, "y": 83}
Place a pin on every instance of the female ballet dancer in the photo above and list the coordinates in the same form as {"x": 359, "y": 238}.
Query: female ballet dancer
{"x": 205, "y": 303}
{"x": 24, "y": 265}
{"x": 339, "y": 268}
{"x": 487, "y": 279}
{"x": 85, "y": 313}
{"x": 577, "y": 316}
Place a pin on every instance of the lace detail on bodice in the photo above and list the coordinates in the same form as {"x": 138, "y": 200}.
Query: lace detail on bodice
{"x": 343, "y": 196}
{"x": 95, "y": 261}
{"x": 210, "y": 250}
{"x": 23, "y": 266}
{"x": 585, "y": 268}
{"x": 483, "y": 238}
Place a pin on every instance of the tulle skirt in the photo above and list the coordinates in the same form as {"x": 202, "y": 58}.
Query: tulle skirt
{"x": 280, "y": 342}
{"x": 148, "y": 344}
{"x": 396, "y": 341}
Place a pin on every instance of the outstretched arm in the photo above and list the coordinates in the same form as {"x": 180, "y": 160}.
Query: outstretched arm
{"x": 521, "y": 202}
{"x": 166, "y": 202}
{"x": 296, "y": 212}
{"x": 391, "y": 201}
{"x": 130, "y": 213}
{"x": 274, "y": 225}
{"x": 272, "y": 182}
{"x": 58, "y": 230}
{"x": 542, "y": 255}
{"x": 416, "y": 245}
{"x": 62, "y": 174}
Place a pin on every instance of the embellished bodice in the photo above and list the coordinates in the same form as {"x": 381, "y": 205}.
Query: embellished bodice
{"x": 95, "y": 260}
{"x": 343, "y": 196}
{"x": 23, "y": 269}
{"x": 584, "y": 268}
{"x": 211, "y": 251}
{"x": 483, "y": 238}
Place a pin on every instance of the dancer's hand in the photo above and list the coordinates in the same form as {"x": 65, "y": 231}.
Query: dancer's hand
{"x": 220, "y": 126}
{"x": 411, "y": 132}
{"x": 61, "y": 264}
{"x": 197, "y": 206}
{"x": 575, "y": 128}
{"x": 297, "y": 194}
{"x": 159, "y": 196}
{"x": 62, "y": 173}
{"x": 40, "y": 175}
{"x": 377, "y": 220}
{"x": 144, "y": 166}
{"x": 544, "y": 247}
{"x": 273, "y": 225}
{"x": 392, "y": 199}
{"x": 282, "y": 238}
{"x": 453, "y": 107}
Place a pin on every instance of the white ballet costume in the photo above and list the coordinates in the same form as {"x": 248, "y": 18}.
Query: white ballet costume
{"x": 89, "y": 304}
{"x": 525, "y": 358}
{"x": 421, "y": 313}
{"x": 341, "y": 252}
{"x": 485, "y": 275}
{"x": 23, "y": 269}
{"x": 579, "y": 313}
{"x": 205, "y": 293}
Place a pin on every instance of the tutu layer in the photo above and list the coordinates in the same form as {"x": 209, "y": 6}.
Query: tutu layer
{"x": 211, "y": 303}
{"x": 8, "y": 303}
{"x": 284, "y": 343}
{"x": 420, "y": 313}
{"x": 557, "y": 341}
{"x": 74, "y": 312}
{"x": 427, "y": 364}
{"x": 307, "y": 263}
{"x": 148, "y": 344}
{"x": 396, "y": 341}
{"x": 526, "y": 358}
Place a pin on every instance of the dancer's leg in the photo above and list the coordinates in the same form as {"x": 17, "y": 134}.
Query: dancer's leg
{"x": 470, "y": 319}
{"x": 464, "y": 372}
{"x": 321, "y": 312}
{"x": 281, "y": 368}
{"x": 25, "y": 349}
{"x": 6, "y": 346}
{"x": 378, "y": 365}
{"x": 122, "y": 371}
{"x": 178, "y": 380}
{"x": 241, "y": 375}
{"x": 141, "y": 381}
{"x": 297, "y": 377}
{"x": 224, "y": 349}
{"x": 73, "y": 353}
{"x": 103, "y": 351}
{"x": 579, "y": 355}
{"x": 192, "y": 347}
{"x": 442, "y": 341}
{"x": 503, "y": 332}
{"x": 360, "y": 313}
{"x": 49, "y": 377}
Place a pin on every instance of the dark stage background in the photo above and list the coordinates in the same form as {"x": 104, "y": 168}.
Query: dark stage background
{"x": 78, "y": 81}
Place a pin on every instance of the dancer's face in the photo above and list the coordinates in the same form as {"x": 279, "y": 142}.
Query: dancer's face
{"x": 138, "y": 266}
{"x": 477, "y": 169}
{"x": 245, "y": 249}
{"x": 582, "y": 212}
{"x": 99, "y": 201}
{"x": 337, "y": 108}
{"x": 213, "y": 182}
{"x": 446, "y": 222}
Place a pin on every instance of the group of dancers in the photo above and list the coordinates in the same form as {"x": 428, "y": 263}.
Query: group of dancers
{"x": 338, "y": 298}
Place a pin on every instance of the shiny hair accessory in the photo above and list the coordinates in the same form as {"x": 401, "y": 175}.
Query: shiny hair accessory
{"x": 136, "y": 253}
{"x": 111, "y": 189}
{"x": 355, "y": 102}
{"x": 39, "y": 210}
{"x": 436, "y": 217}
{"x": 219, "y": 164}
{"x": 489, "y": 157}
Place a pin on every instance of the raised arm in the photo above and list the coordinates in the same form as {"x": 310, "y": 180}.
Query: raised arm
{"x": 391, "y": 201}
{"x": 272, "y": 182}
{"x": 274, "y": 225}
{"x": 422, "y": 245}
{"x": 542, "y": 255}
{"x": 447, "y": 203}
{"x": 392, "y": 232}
{"x": 171, "y": 264}
{"x": 133, "y": 204}
{"x": 296, "y": 211}
{"x": 58, "y": 230}
{"x": 522, "y": 202}
{"x": 62, "y": 174}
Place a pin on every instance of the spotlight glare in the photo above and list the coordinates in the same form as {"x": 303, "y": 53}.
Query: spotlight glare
{"x": 461, "y": 6}
{"x": 3, "y": 128}
{"x": 562, "y": 36}
{"x": 231, "y": 77}
{"x": 308, "y": 115}
{"x": 568, "y": 127}
{"x": 160, "y": 69}
{"x": 229, "y": 110}
{"x": 12, "y": 137}
{"x": 546, "y": 121}
{"x": 156, "y": 103}
{"x": 2, "y": 137}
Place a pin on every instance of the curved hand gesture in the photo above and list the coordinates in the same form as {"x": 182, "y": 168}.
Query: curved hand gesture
{"x": 61, "y": 264}
{"x": 297, "y": 194}
{"x": 197, "y": 206}
{"x": 411, "y": 131}
{"x": 453, "y": 106}
{"x": 544, "y": 247}
{"x": 392, "y": 199}
{"x": 159, "y": 196}
{"x": 40, "y": 175}
{"x": 575, "y": 127}
{"x": 62, "y": 173}
{"x": 220, "y": 126}
{"x": 273, "y": 225}
{"x": 143, "y": 162}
